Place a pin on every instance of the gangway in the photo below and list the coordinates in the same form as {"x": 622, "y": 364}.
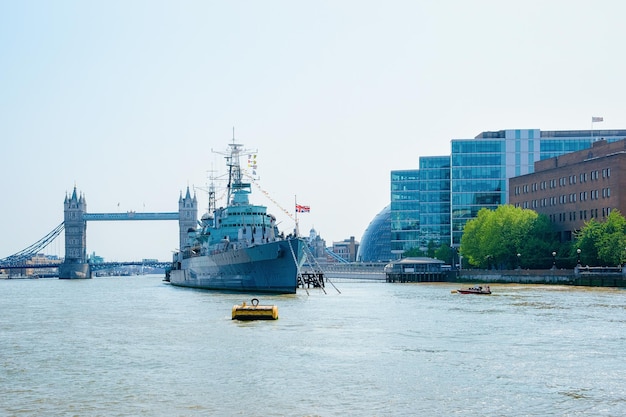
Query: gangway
{"x": 315, "y": 276}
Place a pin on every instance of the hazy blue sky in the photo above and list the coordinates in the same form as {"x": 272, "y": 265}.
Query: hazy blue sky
{"x": 126, "y": 99}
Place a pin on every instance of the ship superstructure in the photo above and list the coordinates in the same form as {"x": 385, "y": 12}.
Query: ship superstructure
{"x": 238, "y": 247}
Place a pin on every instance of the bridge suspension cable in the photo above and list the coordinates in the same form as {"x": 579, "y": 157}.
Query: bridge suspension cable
{"x": 36, "y": 247}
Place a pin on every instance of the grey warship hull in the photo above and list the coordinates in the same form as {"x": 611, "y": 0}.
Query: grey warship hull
{"x": 265, "y": 268}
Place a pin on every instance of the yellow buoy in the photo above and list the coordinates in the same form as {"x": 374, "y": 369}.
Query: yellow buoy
{"x": 254, "y": 311}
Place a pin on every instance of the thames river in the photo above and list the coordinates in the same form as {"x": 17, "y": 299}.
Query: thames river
{"x": 132, "y": 346}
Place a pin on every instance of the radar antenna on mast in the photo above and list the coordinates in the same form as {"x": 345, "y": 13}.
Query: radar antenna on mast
{"x": 237, "y": 189}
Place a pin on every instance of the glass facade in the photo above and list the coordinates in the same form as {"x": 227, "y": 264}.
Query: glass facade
{"x": 434, "y": 206}
{"x": 376, "y": 241}
{"x": 478, "y": 179}
{"x": 405, "y": 219}
{"x": 445, "y": 192}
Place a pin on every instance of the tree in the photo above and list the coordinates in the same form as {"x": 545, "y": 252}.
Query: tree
{"x": 432, "y": 247}
{"x": 603, "y": 243}
{"x": 413, "y": 253}
{"x": 586, "y": 240}
{"x": 613, "y": 240}
{"x": 495, "y": 237}
{"x": 445, "y": 253}
{"x": 538, "y": 244}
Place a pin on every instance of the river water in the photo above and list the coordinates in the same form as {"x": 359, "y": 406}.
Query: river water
{"x": 131, "y": 346}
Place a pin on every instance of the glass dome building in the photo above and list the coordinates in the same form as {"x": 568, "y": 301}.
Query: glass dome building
{"x": 375, "y": 244}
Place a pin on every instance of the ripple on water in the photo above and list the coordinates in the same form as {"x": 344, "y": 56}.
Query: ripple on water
{"x": 135, "y": 346}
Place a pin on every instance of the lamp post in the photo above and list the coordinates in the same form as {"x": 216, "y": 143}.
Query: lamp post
{"x": 553, "y": 260}
{"x": 578, "y": 256}
{"x": 519, "y": 262}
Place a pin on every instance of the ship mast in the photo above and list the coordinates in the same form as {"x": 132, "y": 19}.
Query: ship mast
{"x": 237, "y": 190}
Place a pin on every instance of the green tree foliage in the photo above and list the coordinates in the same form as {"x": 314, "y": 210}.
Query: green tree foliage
{"x": 432, "y": 247}
{"x": 538, "y": 244}
{"x": 413, "y": 253}
{"x": 495, "y": 237}
{"x": 445, "y": 253}
{"x": 602, "y": 243}
{"x": 586, "y": 240}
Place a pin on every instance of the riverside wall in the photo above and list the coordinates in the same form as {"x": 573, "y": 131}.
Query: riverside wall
{"x": 580, "y": 276}
{"x": 591, "y": 277}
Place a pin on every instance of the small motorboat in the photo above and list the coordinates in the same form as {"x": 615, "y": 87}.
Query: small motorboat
{"x": 475, "y": 290}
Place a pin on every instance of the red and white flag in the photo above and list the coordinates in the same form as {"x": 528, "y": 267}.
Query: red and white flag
{"x": 302, "y": 209}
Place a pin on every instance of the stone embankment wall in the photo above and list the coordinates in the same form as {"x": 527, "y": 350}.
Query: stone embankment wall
{"x": 600, "y": 277}
{"x": 584, "y": 276}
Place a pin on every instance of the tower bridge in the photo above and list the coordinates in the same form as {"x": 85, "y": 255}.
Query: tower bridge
{"x": 76, "y": 264}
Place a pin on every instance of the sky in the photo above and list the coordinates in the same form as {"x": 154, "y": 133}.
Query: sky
{"x": 126, "y": 100}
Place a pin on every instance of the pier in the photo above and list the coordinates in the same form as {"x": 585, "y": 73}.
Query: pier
{"x": 311, "y": 280}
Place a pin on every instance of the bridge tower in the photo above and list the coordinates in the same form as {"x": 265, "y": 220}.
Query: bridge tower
{"x": 75, "y": 264}
{"x": 188, "y": 216}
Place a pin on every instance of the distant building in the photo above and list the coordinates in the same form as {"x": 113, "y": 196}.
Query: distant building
{"x": 346, "y": 249}
{"x": 38, "y": 259}
{"x": 576, "y": 187}
{"x": 434, "y": 202}
{"x": 95, "y": 259}
{"x": 376, "y": 241}
{"x": 317, "y": 245}
{"x": 405, "y": 210}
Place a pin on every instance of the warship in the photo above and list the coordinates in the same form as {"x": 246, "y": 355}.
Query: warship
{"x": 238, "y": 247}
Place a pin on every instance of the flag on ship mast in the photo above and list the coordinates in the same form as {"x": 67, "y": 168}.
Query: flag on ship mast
{"x": 302, "y": 209}
{"x": 252, "y": 163}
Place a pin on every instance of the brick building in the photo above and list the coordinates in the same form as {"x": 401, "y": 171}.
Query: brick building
{"x": 574, "y": 188}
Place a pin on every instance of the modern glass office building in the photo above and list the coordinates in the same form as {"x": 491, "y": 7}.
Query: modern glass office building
{"x": 434, "y": 205}
{"x": 405, "y": 199}
{"x": 420, "y": 205}
{"x": 376, "y": 241}
{"x": 479, "y": 171}
{"x": 481, "y": 168}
